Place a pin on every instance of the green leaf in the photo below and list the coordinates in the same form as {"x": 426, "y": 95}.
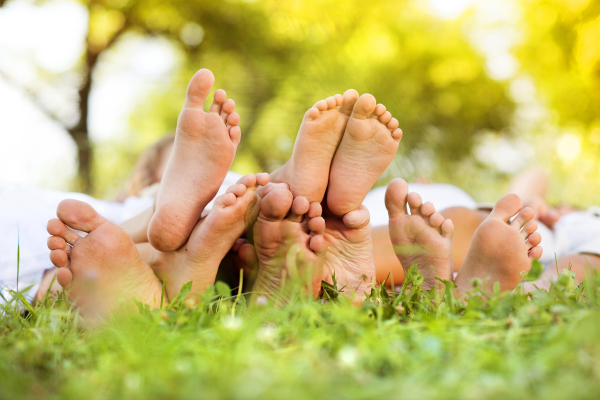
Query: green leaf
{"x": 535, "y": 271}
{"x": 223, "y": 289}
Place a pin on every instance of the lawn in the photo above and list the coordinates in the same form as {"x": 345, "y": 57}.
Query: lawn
{"x": 407, "y": 345}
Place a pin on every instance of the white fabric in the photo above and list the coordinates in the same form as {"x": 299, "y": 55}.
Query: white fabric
{"x": 24, "y": 213}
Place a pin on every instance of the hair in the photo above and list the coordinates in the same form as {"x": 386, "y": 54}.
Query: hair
{"x": 144, "y": 173}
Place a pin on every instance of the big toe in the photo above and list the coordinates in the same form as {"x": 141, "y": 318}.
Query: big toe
{"x": 364, "y": 107}
{"x": 276, "y": 204}
{"x": 348, "y": 101}
{"x": 79, "y": 215}
{"x": 199, "y": 88}
{"x": 396, "y": 197}
{"x": 506, "y": 207}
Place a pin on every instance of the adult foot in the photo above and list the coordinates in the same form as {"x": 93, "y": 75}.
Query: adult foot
{"x": 368, "y": 145}
{"x": 289, "y": 243}
{"x": 423, "y": 236}
{"x": 198, "y": 260}
{"x": 307, "y": 171}
{"x": 501, "y": 250}
{"x": 350, "y": 252}
{"x": 205, "y": 144}
{"x": 101, "y": 268}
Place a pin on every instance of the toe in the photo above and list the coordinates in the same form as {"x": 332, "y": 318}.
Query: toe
{"x": 276, "y": 204}
{"x": 311, "y": 114}
{"x": 262, "y": 178}
{"x": 357, "y": 219}
{"x": 58, "y": 243}
{"x": 386, "y": 117}
{"x": 318, "y": 244}
{"x": 535, "y": 253}
{"x": 300, "y": 206}
{"x": 393, "y": 124}
{"x": 226, "y": 200}
{"x": 64, "y": 277}
{"x": 59, "y": 258}
{"x": 315, "y": 210}
{"x": 271, "y": 186}
{"x": 378, "y": 112}
{"x": 331, "y": 102}
{"x": 364, "y": 107}
{"x": 227, "y": 109}
{"x": 348, "y": 101}
{"x": 321, "y": 105}
{"x": 316, "y": 225}
{"x": 436, "y": 220}
{"x": 233, "y": 119}
{"x": 57, "y": 228}
{"x": 238, "y": 244}
{"x": 414, "y": 203}
{"x": 218, "y": 99}
{"x": 199, "y": 89}
{"x": 534, "y": 239}
{"x": 79, "y": 215}
{"x": 427, "y": 209}
{"x": 395, "y": 198}
{"x": 248, "y": 255}
{"x": 247, "y": 180}
{"x": 529, "y": 228}
{"x": 506, "y": 207}
{"x": 524, "y": 215}
{"x": 447, "y": 229}
{"x": 397, "y": 134}
{"x": 338, "y": 99}
{"x": 235, "y": 134}
{"x": 238, "y": 189}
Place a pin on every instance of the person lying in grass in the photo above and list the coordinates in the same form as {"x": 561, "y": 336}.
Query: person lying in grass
{"x": 312, "y": 206}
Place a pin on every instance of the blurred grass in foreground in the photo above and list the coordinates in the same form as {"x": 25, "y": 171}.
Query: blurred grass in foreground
{"x": 391, "y": 346}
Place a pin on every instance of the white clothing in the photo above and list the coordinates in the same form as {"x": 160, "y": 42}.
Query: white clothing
{"x": 24, "y": 214}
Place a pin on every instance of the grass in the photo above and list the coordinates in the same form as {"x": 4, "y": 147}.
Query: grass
{"x": 410, "y": 345}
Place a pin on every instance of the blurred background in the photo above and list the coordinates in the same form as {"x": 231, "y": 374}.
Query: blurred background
{"x": 482, "y": 88}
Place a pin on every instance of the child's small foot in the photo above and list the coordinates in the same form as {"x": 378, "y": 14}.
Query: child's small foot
{"x": 423, "y": 236}
{"x": 307, "y": 171}
{"x": 286, "y": 225}
{"x": 501, "y": 250}
{"x": 366, "y": 150}
{"x": 205, "y": 144}
{"x": 350, "y": 252}
{"x": 100, "y": 268}
{"x": 212, "y": 238}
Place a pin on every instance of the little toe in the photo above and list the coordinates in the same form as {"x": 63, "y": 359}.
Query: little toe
{"x": 300, "y": 206}
{"x": 79, "y": 215}
{"x": 506, "y": 207}
{"x": 276, "y": 204}
{"x": 358, "y": 218}
{"x": 414, "y": 203}
{"x": 59, "y": 258}
{"x": 393, "y": 124}
{"x": 218, "y": 99}
{"x": 321, "y": 105}
{"x": 315, "y": 210}
{"x": 447, "y": 229}
{"x": 395, "y": 198}
{"x": 247, "y": 180}
{"x": 427, "y": 209}
{"x": 364, "y": 107}
{"x": 64, "y": 277}
{"x": 534, "y": 239}
{"x": 227, "y": 110}
{"x": 235, "y": 134}
{"x": 378, "y": 111}
{"x": 436, "y": 220}
{"x": 317, "y": 225}
{"x": 199, "y": 89}
{"x": 386, "y": 117}
{"x": 348, "y": 101}
{"x": 524, "y": 215}
{"x": 57, "y": 228}
{"x": 535, "y": 253}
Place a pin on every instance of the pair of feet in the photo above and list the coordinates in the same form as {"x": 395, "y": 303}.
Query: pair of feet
{"x": 502, "y": 248}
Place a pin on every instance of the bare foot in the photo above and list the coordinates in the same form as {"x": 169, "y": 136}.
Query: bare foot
{"x": 101, "y": 268}
{"x": 288, "y": 241}
{"x": 369, "y": 145}
{"x": 205, "y": 144}
{"x": 307, "y": 171}
{"x": 350, "y": 252}
{"x": 501, "y": 250}
{"x": 212, "y": 238}
{"x": 423, "y": 236}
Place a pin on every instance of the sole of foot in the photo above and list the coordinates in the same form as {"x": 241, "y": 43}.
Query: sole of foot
{"x": 198, "y": 260}
{"x": 501, "y": 249}
{"x": 205, "y": 145}
{"x": 101, "y": 268}
{"x": 289, "y": 244}
{"x": 369, "y": 144}
{"x": 423, "y": 236}
{"x": 307, "y": 171}
{"x": 350, "y": 252}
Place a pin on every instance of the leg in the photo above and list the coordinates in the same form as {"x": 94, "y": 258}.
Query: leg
{"x": 581, "y": 264}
